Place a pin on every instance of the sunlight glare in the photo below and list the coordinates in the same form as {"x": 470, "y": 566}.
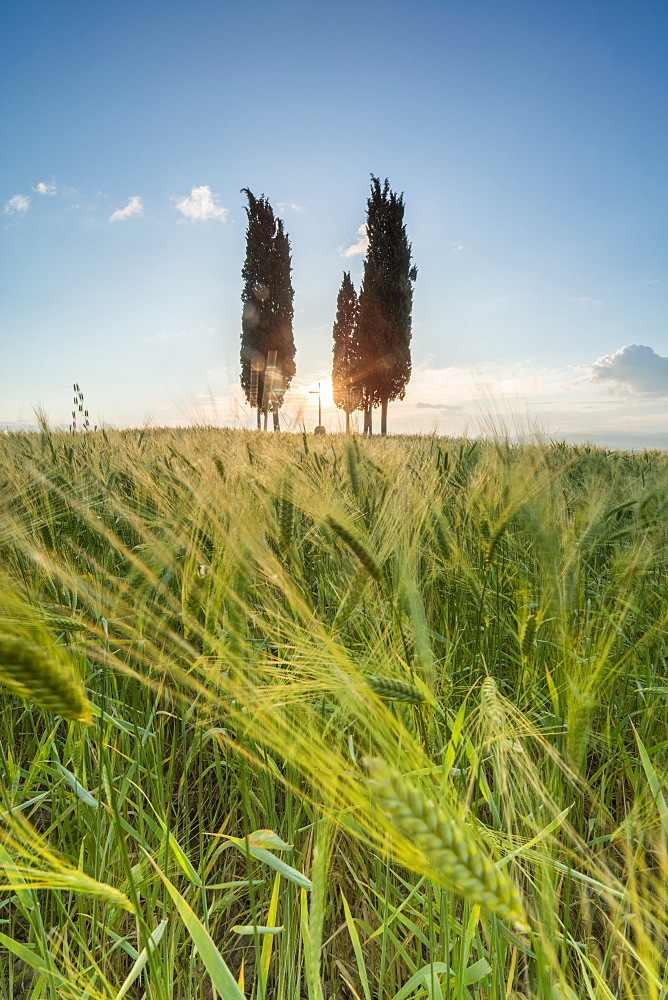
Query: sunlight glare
{"x": 326, "y": 396}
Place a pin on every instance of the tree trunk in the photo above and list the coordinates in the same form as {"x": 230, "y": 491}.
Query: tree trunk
{"x": 368, "y": 419}
{"x": 383, "y": 416}
{"x": 274, "y": 414}
{"x": 259, "y": 411}
{"x": 347, "y": 422}
{"x": 265, "y": 411}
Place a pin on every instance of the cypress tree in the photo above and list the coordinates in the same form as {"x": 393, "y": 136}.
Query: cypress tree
{"x": 345, "y": 364}
{"x": 267, "y": 344}
{"x": 385, "y": 304}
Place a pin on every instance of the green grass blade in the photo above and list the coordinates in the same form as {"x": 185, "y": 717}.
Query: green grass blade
{"x": 25, "y": 896}
{"x": 268, "y": 943}
{"x": 215, "y": 965}
{"x": 142, "y": 959}
{"x": 477, "y": 971}
{"x": 654, "y": 784}
{"x": 249, "y": 930}
{"x": 422, "y": 976}
{"x": 280, "y": 866}
{"x": 357, "y": 948}
{"x": 35, "y": 962}
{"x": 269, "y": 859}
{"x": 180, "y": 856}
{"x": 71, "y": 779}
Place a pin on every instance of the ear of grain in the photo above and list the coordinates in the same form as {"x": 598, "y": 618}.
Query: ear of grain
{"x": 37, "y": 674}
{"x": 353, "y": 469}
{"x": 579, "y": 717}
{"x": 351, "y": 599}
{"x": 391, "y": 689}
{"x": 529, "y": 634}
{"x": 358, "y": 547}
{"x": 63, "y": 623}
{"x": 457, "y": 859}
{"x": 27, "y": 862}
{"x": 494, "y": 541}
{"x": 418, "y": 617}
{"x": 490, "y": 704}
{"x": 442, "y": 538}
{"x": 64, "y": 879}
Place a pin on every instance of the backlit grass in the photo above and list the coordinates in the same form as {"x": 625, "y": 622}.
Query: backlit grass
{"x": 358, "y": 718}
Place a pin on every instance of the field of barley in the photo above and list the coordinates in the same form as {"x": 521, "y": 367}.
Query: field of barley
{"x": 367, "y": 719}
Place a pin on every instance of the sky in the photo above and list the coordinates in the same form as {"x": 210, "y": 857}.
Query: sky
{"x": 528, "y": 139}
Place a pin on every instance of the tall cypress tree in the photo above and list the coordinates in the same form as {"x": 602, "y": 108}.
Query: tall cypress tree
{"x": 385, "y": 304}
{"x": 267, "y": 344}
{"x": 346, "y": 359}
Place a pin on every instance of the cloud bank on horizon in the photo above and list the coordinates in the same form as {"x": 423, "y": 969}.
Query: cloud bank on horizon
{"x": 507, "y": 398}
{"x": 635, "y": 369}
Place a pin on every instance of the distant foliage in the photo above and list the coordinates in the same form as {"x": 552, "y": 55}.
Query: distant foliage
{"x": 385, "y": 303}
{"x": 267, "y": 343}
{"x": 345, "y": 367}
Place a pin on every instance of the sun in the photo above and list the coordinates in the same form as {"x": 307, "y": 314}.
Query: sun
{"x": 326, "y": 392}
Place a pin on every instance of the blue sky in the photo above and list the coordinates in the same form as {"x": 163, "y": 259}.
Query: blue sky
{"x": 528, "y": 139}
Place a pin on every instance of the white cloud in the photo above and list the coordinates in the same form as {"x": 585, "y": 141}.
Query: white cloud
{"x": 133, "y": 207}
{"x": 635, "y": 368}
{"x": 42, "y": 188}
{"x": 527, "y": 399}
{"x": 18, "y": 205}
{"x": 200, "y": 205}
{"x": 361, "y": 246}
{"x": 458, "y": 246}
{"x": 283, "y": 205}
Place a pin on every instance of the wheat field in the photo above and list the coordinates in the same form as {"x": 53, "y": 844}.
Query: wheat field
{"x": 292, "y": 717}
